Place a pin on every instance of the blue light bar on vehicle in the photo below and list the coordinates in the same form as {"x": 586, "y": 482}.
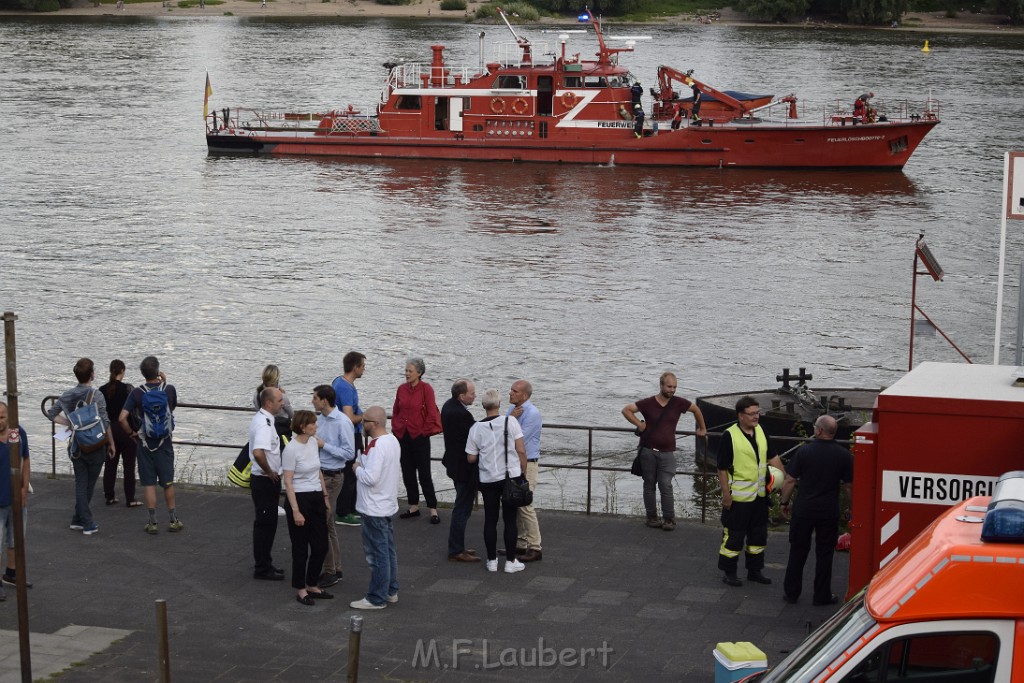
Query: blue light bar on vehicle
{"x": 1004, "y": 521}
{"x": 583, "y": 18}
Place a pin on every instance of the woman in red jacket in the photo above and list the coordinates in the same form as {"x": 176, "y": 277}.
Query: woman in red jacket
{"x": 414, "y": 419}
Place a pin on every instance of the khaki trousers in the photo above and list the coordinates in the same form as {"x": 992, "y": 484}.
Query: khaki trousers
{"x": 526, "y": 521}
{"x": 332, "y": 484}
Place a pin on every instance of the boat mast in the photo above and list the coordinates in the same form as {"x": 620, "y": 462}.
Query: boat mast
{"x": 523, "y": 43}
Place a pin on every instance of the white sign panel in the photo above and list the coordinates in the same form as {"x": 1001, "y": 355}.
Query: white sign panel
{"x": 931, "y": 488}
{"x": 1015, "y": 187}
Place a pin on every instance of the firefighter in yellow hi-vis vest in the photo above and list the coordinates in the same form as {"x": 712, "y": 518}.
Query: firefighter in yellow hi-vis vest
{"x": 744, "y": 455}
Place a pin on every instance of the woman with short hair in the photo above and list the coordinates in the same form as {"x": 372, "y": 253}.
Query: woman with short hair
{"x": 414, "y": 419}
{"x": 307, "y": 507}
{"x": 497, "y": 442}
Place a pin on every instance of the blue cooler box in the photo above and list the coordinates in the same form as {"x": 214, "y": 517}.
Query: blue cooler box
{"x": 736, "y": 661}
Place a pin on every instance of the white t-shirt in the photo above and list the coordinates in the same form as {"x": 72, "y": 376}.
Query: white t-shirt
{"x": 263, "y": 435}
{"x": 377, "y": 477}
{"x": 304, "y": 460}
{"x": 485, "y": 442}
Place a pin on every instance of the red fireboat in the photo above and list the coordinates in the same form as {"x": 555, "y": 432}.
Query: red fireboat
{"x": 564, "y": 109}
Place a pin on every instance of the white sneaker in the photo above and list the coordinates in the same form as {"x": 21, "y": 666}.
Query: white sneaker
{"x": 393, "y": 598}
{"x": 280, "y": 511}
{"x": 363, "y": 603}
{"x": 492, "y": 565}
{"x": 513, "y": 566}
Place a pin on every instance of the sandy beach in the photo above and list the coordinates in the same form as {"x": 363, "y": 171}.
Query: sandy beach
{"x": 918, "y": 22}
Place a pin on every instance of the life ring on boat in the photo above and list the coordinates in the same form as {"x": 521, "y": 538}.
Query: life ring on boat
{"x": 497, "y": 106}
{"x": 519, "y": 106}
{"x": 569, "y": 100}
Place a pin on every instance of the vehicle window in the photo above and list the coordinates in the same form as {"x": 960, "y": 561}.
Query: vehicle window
{"x": 573, "y": 81}
{"x": 823, "y": 646}
{"x": 594, "y": 82}
{"x": 940, "y": 657}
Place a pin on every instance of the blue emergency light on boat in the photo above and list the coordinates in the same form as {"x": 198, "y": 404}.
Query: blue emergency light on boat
{"x": 583, "y": 18}
{"x": 1004, "y": 520}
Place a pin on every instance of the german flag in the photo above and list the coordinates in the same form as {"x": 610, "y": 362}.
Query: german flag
{"x": 206, "y": 97}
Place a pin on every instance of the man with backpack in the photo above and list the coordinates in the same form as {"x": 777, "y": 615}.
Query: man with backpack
{"x": 84, "y": 410}
{"x": 148, "y": 415}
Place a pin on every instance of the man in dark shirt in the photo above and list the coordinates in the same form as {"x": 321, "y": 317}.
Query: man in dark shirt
{"x": 456, "y": 421}
{"x": 658, "y": 446}
{"x": 820, "y": 467}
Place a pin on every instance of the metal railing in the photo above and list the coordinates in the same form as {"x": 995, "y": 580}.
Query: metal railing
{"x": 590, "y": 467}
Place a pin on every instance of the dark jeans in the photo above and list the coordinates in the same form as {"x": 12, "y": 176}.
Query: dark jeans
{"x": 87, "y": 468}
{"x": 265, "y": 495}
{"x": 658, "y": 469}
{"x": 491, "y": 493}
{"x": 465, "y": 494}
{"x": 347, "y": 495}
{"x": 826, "y": 533}
{"x": 124, "y": 451}
{"x": 309, "y": 541}
{"x": 416, "y": 460}
{"x": 746, "y": 528}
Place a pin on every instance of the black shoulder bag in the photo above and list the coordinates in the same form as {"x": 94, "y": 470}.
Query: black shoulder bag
{"x": 635, "y": 469}
{"x": 517, "y": 491}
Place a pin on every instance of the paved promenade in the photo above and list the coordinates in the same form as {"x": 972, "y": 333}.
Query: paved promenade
{"x": 638, "y": 604}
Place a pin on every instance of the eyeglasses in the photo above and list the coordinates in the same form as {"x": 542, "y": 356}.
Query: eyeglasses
{"x": 756, "y": 413}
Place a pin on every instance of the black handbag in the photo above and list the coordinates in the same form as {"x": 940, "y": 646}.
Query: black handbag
{"x": 517, "y": 491}
{"x": 635, "y": 468}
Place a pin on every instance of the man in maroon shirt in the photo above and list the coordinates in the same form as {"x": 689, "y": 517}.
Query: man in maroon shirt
{"x": 657, "y": 433}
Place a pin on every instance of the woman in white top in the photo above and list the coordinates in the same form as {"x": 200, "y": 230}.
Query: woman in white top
{"x": 497, "y": 442}
{"x": 307, "y": 507}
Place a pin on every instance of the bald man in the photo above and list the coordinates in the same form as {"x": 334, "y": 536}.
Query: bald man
{"x": 819, "y": 467}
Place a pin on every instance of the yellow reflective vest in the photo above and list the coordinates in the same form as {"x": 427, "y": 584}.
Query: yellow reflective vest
{"x": 746, "y": 480}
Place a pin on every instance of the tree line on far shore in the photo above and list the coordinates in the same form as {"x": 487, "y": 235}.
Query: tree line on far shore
{"x": 869, "y": 12}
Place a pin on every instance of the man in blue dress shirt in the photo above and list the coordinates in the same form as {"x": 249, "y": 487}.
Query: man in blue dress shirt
{"x": 335, "y": 436}
{"x": 528, "y": 546}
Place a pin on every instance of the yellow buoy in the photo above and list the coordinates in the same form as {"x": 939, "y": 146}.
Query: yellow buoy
{"x": 926, "y": 48}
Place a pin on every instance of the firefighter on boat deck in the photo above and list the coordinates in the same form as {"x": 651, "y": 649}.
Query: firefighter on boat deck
{"x": 638, "y": 120}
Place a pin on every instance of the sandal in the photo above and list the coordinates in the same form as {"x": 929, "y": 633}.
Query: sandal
{"x": 134, "y": 503}
{"x": 320, "y": 595}
{"x": 112, "y": 501}
{"x": 305, "y": 600}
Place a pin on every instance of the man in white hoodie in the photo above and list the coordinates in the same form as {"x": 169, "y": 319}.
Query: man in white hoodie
{"x": 377, "y": 472}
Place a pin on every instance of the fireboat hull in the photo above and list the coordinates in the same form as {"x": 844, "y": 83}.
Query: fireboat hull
{"x": 884, "y": 146}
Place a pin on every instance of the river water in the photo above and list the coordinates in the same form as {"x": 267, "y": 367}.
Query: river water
{"x": 122, "y": 238}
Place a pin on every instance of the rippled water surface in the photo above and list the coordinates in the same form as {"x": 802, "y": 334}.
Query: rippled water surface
{"x": 123, "y": 238}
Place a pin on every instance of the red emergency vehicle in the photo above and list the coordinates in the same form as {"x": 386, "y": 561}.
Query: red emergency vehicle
{"x": 943, "y": 433}
{"x": 948, "y": 609}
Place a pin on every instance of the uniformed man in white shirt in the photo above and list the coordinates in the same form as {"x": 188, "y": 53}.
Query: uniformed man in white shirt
{"x": 265, "y": 482}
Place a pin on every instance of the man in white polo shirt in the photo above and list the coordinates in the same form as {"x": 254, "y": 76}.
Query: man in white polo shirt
{"x": 377, "y": 473}
{"x": 265, "y": 482}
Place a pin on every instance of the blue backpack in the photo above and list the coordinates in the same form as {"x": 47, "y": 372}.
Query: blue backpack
{"x": 157, "y": 419}
{"x": 87, "y": 425}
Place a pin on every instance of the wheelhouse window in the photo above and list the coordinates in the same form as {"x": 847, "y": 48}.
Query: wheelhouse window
{"x": 595, "y": 82}
{"x": 409, "y": 103}
{"x": 506, "y": 82}
{"x": 572, "y": 81}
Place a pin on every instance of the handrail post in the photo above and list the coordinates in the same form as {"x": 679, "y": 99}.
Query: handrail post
{"x": 354, "y": 637}
{"x": 590, "y": 464}
{"x": 704, "y": 482}
{"x": 162, "y": 645}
